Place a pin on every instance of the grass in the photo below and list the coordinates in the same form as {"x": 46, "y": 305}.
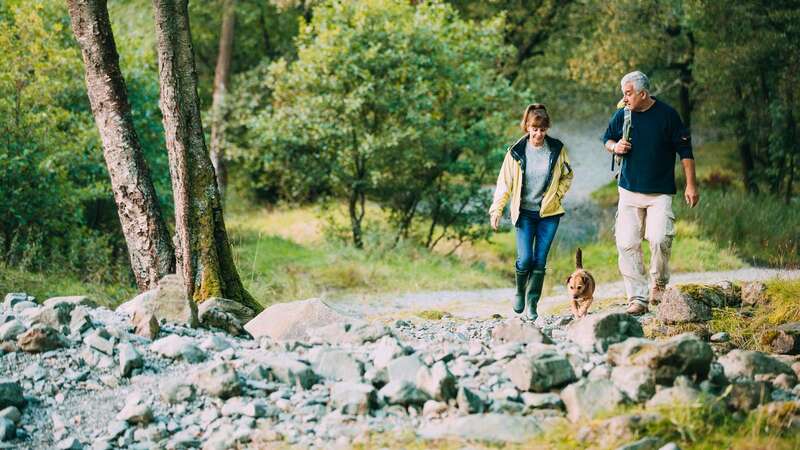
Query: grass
{"x": 749, "y": 327}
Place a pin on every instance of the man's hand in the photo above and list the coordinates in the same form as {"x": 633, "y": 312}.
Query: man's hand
{"x": 622, "y": 147}
{"x": 692, "y": 196}
{"x": 495, "y": 221}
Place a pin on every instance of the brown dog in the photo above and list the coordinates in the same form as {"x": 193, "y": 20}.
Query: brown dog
{"x": 581, "y": 288}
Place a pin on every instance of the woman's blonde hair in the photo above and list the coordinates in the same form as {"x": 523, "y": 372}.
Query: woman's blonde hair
{"x": 536, "y": 115}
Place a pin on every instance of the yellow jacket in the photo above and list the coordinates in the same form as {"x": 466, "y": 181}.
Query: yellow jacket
{"x": 509, "y": 182}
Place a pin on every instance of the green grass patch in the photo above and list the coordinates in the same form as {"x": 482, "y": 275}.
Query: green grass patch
{"x": 748, "y": 327}
{"x": 44, "y": 285}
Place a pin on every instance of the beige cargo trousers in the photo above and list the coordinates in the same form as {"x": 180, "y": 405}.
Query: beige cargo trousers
{"x": 647, "y": 216}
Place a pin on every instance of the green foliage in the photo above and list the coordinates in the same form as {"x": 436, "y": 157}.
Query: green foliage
{"x": 393, "y": 103}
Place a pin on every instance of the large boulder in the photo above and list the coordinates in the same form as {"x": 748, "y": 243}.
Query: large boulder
{"x": 637, "y": 382}
{"x": 597, "y": 331}
{"x": 227, "y": 315}
{"x": 491, "y": 428}
{"x": 746, "y": 364}
{"x": 540, "y": 372}
{"x": 692, "y": 302}
{"x": 294, "y": 320}
{"x": 587, "y": 399}
{"x": 517, "y": 330}
{"x": 13, "y": 298}
{"x": 684, "y": 354}
{"x": 784, "y": 339}
{"x": 168, "y": 301}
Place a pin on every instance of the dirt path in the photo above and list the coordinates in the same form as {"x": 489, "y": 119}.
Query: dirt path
{"x": 483, "y": 303}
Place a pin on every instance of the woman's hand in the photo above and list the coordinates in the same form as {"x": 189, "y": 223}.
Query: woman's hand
{"x": 494, "y": 221}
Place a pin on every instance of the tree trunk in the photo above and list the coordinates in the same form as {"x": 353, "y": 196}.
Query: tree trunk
{"x": 204, "y": 253}
{"x": 743, "y": 139}
{"x": 221, "y": 79}
{"x": 149, "y": 245}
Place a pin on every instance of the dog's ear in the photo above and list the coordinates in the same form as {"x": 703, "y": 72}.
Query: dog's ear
{"x": 568, "y": 278}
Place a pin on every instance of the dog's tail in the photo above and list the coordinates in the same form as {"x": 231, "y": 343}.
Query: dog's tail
{"x": 579, "y": 259}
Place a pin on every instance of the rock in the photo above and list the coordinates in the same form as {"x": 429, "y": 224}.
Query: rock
{"x": 404, "y": 368}
{"x": 224, "y": 314}
{"x": 516, "y": 330}
{"x": 693, "y": 303}
{"x": 287, "y": 370}
{"x": 676, "y": 395}
{"x": 542, "y": 401}
{"x": 785, "y": 381}
{"x": 670, "y": 446}
{"x": 215, "y": 344}
{"x": 746, "y": 395}
{"x": 402, "y": 392}
{"x": 370, "y": 332}
{"x": 168, "y": 301}
{"x": 720, "y": 337}
{"x": 23, "y": 307}
{"x": 8, "y": 430}
{"x": 101, "y": 341}
{"x": 219, "y": 380}
{"x": 11, "y": 413}
{"x": 437, "y": 382}
{"x": 339, "y": 365}
{"x": 177, "y": 347}
{"x": 645, "y": 443}
{"x": 174, "y": 391}
{"x": 10, "y": 330}
{"x": 353, "y": 398}
{"x": 69, "y": 444}
{"x": 491, "y": 428}
{"x": 540, "y": 372}
{"x": 618, "y": 428}
{"x": 39, "y": 338}
{"x": 285, "y": 321}
{"x": 80, "y": 320}
{"x": 241, "y": 407}
{"x": 72, "y": 301}
{"x": 469, "y": 402}
{"x": 784, "y": 339}
{"x": 12, "y": 298}
{"x": 136, "y": 412}
{"x": 432, "y": 408}
{"x": 754, "y": 293}
{"x": 684, "y": 354}
{"x": 386, "y": 349}
{"x": 129, "y": 359}
{"x": 597, "y": 331}
{"x": 146, "y": 325}
{"x": 637, "y": 382}
{"x": 587, "y": 399}
{"x": 52, "y": 316}
{"x": 747, "y": 364}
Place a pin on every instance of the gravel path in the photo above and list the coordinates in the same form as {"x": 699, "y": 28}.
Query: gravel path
{"x": 483, "y": 303}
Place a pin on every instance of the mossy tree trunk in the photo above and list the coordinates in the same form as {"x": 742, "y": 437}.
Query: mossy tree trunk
{"x": 149, "y": 245}
{"x": 222, "y": 75}
{"x": 203, "y": 251}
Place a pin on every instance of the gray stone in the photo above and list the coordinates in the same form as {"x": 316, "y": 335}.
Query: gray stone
{"x": 676, "y": 395}
{"x": 542, "y": 401}
{"x": 136, "y": 412}
{"x": 783, "y": 339}
{"x": 748, "y": 364}
{"x": 80, "y": 320}
{"x": 167, "y": 301}
{"x": 470, "y": 402}
{"x": 101, "y": 341}
{"x": 404, "y": 368}
{"x": 491, "y": 428}
{"x": 129, "y": 359}
{"x": 215, "y": 343}
{"x": 219, "y": 380}
{"x": 8, "y": 430}
{"x": 517, "y": 330}
{"x": 587, "y": 399}
{"x": 285, "y": 321}
{"x": 10, "y": 330}
{"x": 22, "y": 306}
{"x": 386, "y": 349}
{"x": 437, "y": 382}
{"x": 12, "y": 298}
{"x": 637, "y": 382}
{"x": 288, "y": 370}
{"x": 645, "y": 443}
{"x": 241, "y": 407}
{"x": 177, "y": 347}
{"x": 402, "y": 392}
{"x": 754, "y": 293}
{"x": 353, "y": 398}
{"x": 70, "y": 443}
{"x": 693, "y": 303}
{"x": 432, "y": 408}
{"x": 339, "y": 365}
{"x": 11, "y": 413}
{"x": 176, "y": 391}
{"x": 72, "y": 301}
{"x": 670, "y": 446}
{"x": 720, "y": 337}
{"x": 370, "y": 332}
{"x": 597, "y": 332}
{"x": 52, "y": 316}
{"x": 39, "y": 338}
{"x": 684, "y": 354}
{"x": 746, "y": 395}
{"x": 11, "y": 394}
{"x": 540, "y": 372}
{"x": 224, "y": 314}
{"x": 146, "y": 325}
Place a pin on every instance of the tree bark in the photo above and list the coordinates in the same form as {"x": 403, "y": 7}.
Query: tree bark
{"x": 204, "y": 253}
{"x": 149, "y": 245}
{"x": 743, "y": 138}
{"x": 221, "y": 80}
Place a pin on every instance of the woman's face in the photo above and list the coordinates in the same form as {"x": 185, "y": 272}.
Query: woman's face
{"x": 537, "y": 134}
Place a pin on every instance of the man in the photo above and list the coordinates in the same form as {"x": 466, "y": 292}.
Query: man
{"x": 646, "y": 186}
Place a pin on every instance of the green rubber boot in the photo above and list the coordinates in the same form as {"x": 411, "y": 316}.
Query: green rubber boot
{"x": 519, "y": 297}
{"x": 534, "y": 292}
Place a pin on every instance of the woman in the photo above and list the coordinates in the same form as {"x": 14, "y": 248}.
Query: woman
{"x": 535, "y": 175}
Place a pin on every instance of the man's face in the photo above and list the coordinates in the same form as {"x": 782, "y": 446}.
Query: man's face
{"x": 634, "y": 100}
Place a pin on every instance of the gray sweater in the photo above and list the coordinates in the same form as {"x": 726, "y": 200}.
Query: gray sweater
{"x": 536, "y": 171}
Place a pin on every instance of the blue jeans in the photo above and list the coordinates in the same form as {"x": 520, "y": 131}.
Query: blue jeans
{"x": 534, "y": 236}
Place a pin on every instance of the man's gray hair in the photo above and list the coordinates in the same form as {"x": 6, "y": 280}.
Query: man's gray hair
{"x": 639, "y": 80}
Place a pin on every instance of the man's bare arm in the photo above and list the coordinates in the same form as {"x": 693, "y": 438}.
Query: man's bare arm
{"x": 692, "y": 194}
